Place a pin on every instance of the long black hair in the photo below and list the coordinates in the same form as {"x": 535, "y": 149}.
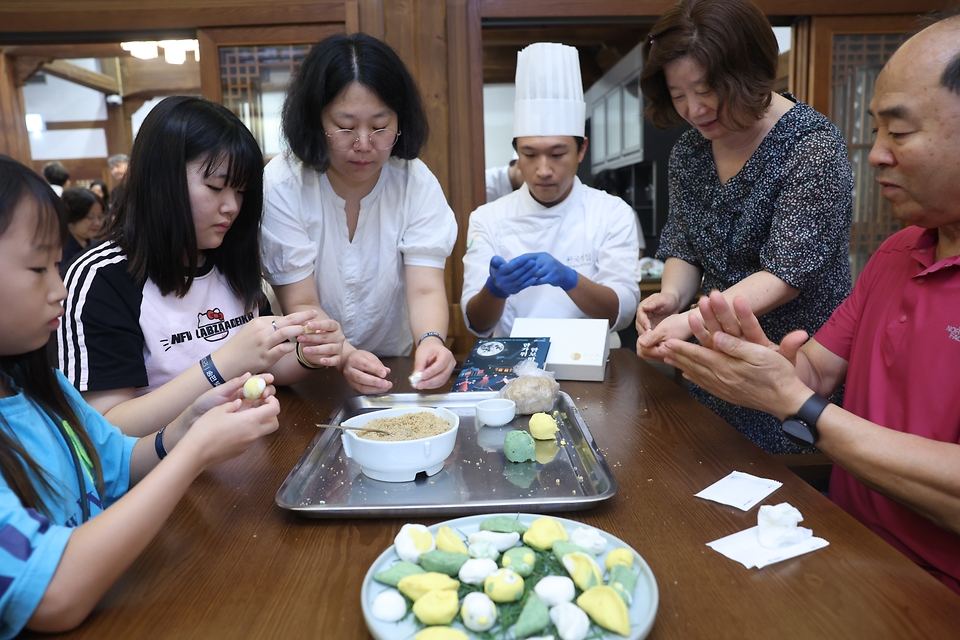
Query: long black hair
{"x": 33, "y": 371}
{"x": 153, "y": 220}
{"x": 333, "y": 64}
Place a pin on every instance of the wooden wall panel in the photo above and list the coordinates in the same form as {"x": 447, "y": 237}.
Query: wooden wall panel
{"x": 14, "y": 139}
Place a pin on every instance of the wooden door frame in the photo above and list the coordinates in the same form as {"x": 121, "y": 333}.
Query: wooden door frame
{"x": 821, "y": 32}
{"x": 211, "y": 39}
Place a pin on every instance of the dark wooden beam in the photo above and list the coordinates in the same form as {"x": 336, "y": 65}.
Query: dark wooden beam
{"x": 552, "y": 9}
{"x": 53, "y": 16}
{"x": 83, "y": 77}
{"x": 25, "y": 66}
{"x": 76, "y": 124}
{"x": 67, "y": 51}
{"x": 152, "y": 78}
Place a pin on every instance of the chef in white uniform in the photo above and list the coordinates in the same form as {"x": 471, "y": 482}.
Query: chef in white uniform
{"x": 554, "y": 248}
{"x": 502, "y": 180}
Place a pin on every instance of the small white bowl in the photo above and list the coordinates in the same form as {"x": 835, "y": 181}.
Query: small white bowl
{"x": 496, "y": 412}
{"x": 400, "y": 460}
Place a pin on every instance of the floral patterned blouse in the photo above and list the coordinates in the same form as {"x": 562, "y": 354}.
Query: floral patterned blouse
{"x": 787, "y": 211}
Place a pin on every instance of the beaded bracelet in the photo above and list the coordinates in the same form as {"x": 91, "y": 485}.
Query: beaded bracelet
{"x": 306, "y": 364}
{"x": 431, "y": 334}
{"x": 210, "y": 371}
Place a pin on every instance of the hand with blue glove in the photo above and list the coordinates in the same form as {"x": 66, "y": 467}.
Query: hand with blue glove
{"x": 509, "y": 278}
{"x": 549, "y": 270}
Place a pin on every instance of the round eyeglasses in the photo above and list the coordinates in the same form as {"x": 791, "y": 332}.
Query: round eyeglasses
{"x": 347, "y": 139}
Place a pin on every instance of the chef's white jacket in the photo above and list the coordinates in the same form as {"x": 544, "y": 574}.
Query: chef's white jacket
{"x": 405, "y": 220}
{"x": 591, "y": 231}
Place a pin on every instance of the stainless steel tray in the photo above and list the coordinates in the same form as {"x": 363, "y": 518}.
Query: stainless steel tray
{"x": 476, "y": 477}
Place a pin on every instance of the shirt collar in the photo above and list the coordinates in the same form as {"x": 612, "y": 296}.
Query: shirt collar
{"x": 925, "y": 252}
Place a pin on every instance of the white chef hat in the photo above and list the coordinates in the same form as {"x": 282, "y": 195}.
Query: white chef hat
{"x": 549, "y": 99}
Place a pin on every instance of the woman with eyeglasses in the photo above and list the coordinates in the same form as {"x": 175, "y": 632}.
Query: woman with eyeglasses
{"x": 355, "y": 226}
{"x": 85, "y": 218}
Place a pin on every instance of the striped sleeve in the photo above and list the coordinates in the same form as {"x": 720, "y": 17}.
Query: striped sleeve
{"x": 30, "y": 550}
{"x": 100, "y": 342}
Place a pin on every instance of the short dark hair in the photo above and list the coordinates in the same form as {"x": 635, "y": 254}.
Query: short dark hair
{"x": 950, "y": 78}
{"x": 332, "y": 65}
{"x": 732, "y": 40}
{"x": 153, "y": 220}
{"x": 55, "y": 173}
{"x": 79, "y": 201}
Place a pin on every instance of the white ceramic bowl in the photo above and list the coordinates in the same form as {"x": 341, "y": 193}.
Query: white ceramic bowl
{"x": 400, "y": 460}
{"x": 496, "y": 412}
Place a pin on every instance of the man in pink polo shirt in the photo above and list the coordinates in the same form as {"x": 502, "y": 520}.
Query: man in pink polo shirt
{"x": 895, "y": 341}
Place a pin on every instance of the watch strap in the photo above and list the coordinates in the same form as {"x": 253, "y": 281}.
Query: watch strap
{"x": 801, "y": 427}
{"x": 810, "y": 410}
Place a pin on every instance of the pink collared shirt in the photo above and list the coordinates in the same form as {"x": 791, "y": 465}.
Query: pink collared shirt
{"x": 900, "y": 332}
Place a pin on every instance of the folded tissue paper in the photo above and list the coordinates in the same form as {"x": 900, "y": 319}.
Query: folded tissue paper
{"x": 775, "y": 538}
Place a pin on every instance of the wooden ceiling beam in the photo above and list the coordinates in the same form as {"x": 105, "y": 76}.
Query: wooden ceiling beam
{"x": 512, "y": 9}
{"x": 67, "y": 51}
{"x": 26, "y": 66}
{"x": 83, "y": 77}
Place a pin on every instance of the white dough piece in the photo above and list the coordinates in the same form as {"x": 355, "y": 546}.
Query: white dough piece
{"x": 502, "y": 541}
{"x": 590, "y": 539}
{"x": 553, "y": 590}
{"x": 389, "y": 606}
{"x": 570, "y": 620}
{"x": 415, "y": 379}
{"x": 479, "y": 613}
{"x": 413, "y": 540}
{"x": 475, "y": 570}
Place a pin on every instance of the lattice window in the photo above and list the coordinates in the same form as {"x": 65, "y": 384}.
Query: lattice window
{"x": 253, "y": 80}
{"x": 857, "y": 60}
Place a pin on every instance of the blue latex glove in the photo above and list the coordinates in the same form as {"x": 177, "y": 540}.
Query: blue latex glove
{"x": 551, "y": 271}
{"x": 508, "y": 278}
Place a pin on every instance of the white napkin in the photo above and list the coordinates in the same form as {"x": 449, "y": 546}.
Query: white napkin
{"x": 777, "y": 526}
{"x": 740, "y": 490}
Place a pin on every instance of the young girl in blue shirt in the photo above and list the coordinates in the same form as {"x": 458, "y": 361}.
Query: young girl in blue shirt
{"x": 79, "y": 500}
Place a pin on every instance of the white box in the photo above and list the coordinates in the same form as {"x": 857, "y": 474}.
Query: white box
{"x": 579, "y": 348}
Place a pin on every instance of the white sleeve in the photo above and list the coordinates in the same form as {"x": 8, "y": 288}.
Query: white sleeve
{"x": 476, "y": 265}
{"x": 617, "y": 261}
{"x": 431, "y": 231}
{"x": 287, "y": 251}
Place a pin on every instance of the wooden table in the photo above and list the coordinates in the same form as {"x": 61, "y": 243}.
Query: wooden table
{"x": 231, "y": 564}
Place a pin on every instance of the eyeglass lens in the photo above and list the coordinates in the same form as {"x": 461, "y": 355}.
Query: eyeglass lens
{"x": 346, "y": 139}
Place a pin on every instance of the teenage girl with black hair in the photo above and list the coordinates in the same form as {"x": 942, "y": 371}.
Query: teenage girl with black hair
{"x": 79, "y": 501}
{"x": 170, "y": 304}
{"x": 353, "y": 221}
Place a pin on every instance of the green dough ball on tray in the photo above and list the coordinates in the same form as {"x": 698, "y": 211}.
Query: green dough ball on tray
{"x": 443, "y": 561}
{"x": 519, "y": 446}
{"x": 394, "y": 574}
{"x": 503, "y": 524}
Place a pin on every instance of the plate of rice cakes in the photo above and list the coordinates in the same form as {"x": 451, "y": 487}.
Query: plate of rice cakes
{"x": 507, "y": 577}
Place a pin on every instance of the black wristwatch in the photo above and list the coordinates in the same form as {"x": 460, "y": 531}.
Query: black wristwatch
{"x": 801, "y": 427}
